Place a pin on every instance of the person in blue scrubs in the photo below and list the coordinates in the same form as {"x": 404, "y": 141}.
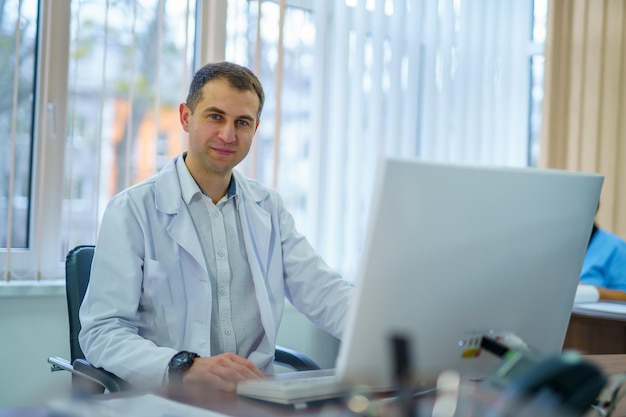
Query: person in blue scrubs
{"x": 604, "y": 266}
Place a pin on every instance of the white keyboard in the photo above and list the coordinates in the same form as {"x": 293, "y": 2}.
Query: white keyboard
{"x": 292, "y": 390}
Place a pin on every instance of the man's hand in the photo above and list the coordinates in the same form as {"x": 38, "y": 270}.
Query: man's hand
{"x": 221, "y": 371}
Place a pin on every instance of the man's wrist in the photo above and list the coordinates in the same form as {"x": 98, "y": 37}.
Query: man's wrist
{"x": 178, "y": 365}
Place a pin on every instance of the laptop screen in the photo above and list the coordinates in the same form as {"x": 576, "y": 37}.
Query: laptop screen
{"x": 454, "y": 252}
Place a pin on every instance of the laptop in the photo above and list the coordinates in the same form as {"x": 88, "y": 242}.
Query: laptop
{"x": 452, "y": 253}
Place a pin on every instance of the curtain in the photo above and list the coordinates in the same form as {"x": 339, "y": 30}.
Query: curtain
{"x": 585, "y": 98}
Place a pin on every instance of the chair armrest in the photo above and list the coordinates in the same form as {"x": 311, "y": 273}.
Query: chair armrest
{"x": 60, "y": 364}
{"x": 108, "y": 380}
{"x": 294, "y": 359}
{"x": 93, "y": 380}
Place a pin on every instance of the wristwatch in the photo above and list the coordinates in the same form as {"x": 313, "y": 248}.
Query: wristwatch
{"x": 178, "y": 365}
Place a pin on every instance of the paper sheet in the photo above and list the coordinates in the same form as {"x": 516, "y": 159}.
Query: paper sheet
{"x": 607, "y": 307}
{"x": 147, "y": 405}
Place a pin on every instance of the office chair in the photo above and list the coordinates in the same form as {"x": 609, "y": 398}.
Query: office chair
{"x": 87, "y": 379}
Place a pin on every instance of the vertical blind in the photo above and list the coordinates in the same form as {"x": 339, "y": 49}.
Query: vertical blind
{"x": 445, "y": 80}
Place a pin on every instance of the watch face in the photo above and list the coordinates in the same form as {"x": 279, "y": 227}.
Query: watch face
{"x": 182, "y": 360}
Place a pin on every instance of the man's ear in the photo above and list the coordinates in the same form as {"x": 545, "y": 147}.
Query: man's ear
{"x": 184, "y": 112}
{"x": 257, "y": 125}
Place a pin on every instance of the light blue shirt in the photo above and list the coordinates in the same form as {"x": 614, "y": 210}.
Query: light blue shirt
{"x": 605, "y": 262}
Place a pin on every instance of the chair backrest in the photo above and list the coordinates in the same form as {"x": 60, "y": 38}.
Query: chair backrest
{"x": 77, "y": 271}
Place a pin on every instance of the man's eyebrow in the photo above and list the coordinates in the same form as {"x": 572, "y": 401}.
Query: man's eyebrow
{"x": 214, "y": 109}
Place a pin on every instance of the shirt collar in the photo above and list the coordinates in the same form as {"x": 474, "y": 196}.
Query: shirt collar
{"x": 189, "y": 187}
{"x": 232, "y": 188}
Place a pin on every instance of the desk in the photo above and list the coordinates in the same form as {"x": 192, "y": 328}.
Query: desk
{"x": 231, "y": 404}
{"x": 596, "y": 332}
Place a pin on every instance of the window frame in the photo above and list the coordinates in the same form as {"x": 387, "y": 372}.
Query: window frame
{"x": 48, "y": 148}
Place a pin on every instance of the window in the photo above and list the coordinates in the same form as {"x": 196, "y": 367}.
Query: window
{"x": 102, "y": 83}
{"x": 33, "y": 138}
{"x": 130, "y": 63}
{"x": 18, "y": 40}
{"x": 95, "y": 105}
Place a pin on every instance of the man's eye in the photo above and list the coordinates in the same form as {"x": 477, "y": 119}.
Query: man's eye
{"x": 214, "y": 116}
{"x": 243, "y": 123}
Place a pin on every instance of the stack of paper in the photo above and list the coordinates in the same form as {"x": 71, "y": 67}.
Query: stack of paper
{"x": 615, "y": 308}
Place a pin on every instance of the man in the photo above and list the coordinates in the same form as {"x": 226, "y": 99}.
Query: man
{"x": 604, "y": 266}
{"x": 192, "y": 265}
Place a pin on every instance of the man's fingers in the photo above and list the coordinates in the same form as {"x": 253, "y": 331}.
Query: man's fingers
{"x": 249, "y": 366}
{"x": 222, "y": 371}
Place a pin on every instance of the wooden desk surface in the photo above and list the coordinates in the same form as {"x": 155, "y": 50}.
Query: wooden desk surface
{"x": 233, "y": 405}
{"x": 596, "y": 332}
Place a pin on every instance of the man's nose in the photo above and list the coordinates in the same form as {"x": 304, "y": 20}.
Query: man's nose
{"x": 227, "y": 133}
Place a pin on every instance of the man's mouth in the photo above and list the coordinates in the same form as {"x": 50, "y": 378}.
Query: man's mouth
{"x": 223, "y": 152}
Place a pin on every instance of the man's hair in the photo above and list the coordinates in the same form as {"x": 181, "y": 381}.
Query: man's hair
{"x": 237, "y": 76}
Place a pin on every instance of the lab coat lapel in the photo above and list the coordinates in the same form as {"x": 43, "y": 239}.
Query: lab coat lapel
{"x": 168, "y": 200}
{"x": 256, "y": 224}
{"x": 179, "y": 231}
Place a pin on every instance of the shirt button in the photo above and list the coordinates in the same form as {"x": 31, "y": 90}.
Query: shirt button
{"x": 216, "y": 215}
{"x": 221, "y": 254}
{"x": 222, "y": 293}
{"x": 227, "y": 332}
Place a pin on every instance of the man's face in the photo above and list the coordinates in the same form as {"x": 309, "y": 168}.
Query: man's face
{"x": 220, "y": 129}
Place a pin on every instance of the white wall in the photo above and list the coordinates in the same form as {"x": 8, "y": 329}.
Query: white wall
{"x": 33, "y": 327}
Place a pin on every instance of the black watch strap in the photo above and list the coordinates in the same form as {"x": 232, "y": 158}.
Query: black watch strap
{"x": 180, "y": 363}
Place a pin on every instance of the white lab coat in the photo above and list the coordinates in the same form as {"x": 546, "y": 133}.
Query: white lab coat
{"x": 150, "y": 296}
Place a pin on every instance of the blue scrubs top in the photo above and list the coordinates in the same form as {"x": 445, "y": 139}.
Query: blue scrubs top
{"x": 605, "y": 261}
